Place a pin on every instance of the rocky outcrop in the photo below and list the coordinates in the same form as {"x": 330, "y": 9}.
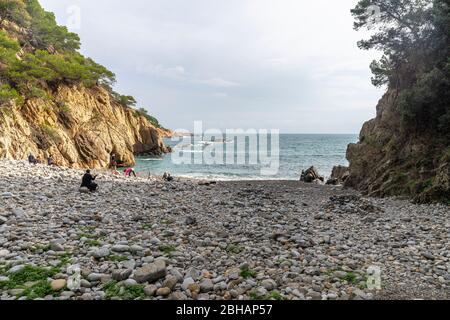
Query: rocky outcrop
{"x": 311, "y": 176}
{"x": 393, "y": 160}
{"x": 80, "y": 127}
{"x": 339, "y": 175}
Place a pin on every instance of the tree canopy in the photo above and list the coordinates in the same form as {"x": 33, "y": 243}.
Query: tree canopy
{"x": 46, "y": 55}
{"x": 414, "y": 36}
{"x": 54, "y": 56}
{"x": 15, "y": 11}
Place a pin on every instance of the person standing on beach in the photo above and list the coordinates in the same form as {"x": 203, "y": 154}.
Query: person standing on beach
{"x": 88, "y": 181}
{"x": 113, "y": 162}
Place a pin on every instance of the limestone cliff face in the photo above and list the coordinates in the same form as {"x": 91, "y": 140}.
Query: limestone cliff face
{"x": 80, "y": 127}
{"x": 391, "y": 161}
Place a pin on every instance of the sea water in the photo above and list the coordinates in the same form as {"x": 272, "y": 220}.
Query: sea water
{"x": 297, "y": 152}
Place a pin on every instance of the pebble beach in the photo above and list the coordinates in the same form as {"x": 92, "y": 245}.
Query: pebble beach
{"x": 144, "y": 238}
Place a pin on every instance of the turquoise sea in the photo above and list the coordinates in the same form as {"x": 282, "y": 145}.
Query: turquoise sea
{"x": 296, "y": 153}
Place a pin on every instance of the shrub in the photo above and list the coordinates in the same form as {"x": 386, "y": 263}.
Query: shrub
{"x": 7, "y": 94}
{"x": 141, "y": 112}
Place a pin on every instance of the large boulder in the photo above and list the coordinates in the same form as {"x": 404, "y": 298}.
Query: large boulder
{"x": 311, "y": 175}
{"x": 339, "y": 175}
{"x": 152, "y": 272}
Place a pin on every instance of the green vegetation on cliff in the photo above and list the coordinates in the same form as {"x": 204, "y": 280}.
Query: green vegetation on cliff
{"x": 144, "y": 113}
{"x": 34, "y": 61}
{"x": 412, "y": 129}
{"x": 49, "y": 55}
{"x": 414, "y": 36}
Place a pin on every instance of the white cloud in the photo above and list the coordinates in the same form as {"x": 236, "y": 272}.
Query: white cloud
{"x": 218, "y": 82}
{"x": 179, "y": 73}
{"x": 272, "y": 59}
{"x": 220, "y": 95}
{"x": 176, "y": 72}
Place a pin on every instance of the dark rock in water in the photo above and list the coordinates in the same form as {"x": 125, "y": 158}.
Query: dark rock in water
{"x": 311, "y": 175}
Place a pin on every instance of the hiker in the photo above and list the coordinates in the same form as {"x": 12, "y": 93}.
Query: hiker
{"x": 32, "y": 159}
{"x": 88, "y": 181}
{"x": 128, "y": 172}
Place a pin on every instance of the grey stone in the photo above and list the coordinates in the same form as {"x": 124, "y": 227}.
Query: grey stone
{"x": 96, "y": 276}
{"x": 170, "y": 282}
{"x": 190, "y": 221}
{"x": 428, "y": 255}
{"x": 150, "y": 290}
{"x": 16, "y": 268}
{"x": 121, "y": 248}
{"x": 83, "y": 190}
{"x": 340, "y": 274}
{"x": 135, "y": 248}
{"x": 101, "y": 253}
{"x": 121, "y": 275}
{"x": 56, "y": 246}
{"x": 192, "y": 273}
{"x": 206, "y": 285}
{"x": 16, "y": 292}
{"x": 7, "y": 195}
{"x": 129, "y": 264}
{"x": 178, "y": 296}
{"x": 163, "y": 292}
{"x": 151, "y": 272}
{"x": 269, "y": 284}
{"x": 177, "y": 274}
{"x": 130, "y": 282}
{"x": 186, "y": 283}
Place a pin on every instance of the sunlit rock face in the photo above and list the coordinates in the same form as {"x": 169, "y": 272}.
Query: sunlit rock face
{"x": 80, "y": 127}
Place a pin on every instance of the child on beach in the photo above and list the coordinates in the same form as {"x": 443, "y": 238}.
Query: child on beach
{"x": 130, "y": 171}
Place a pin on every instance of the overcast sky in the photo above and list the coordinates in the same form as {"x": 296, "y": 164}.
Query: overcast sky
{"x": 291, "y": 65}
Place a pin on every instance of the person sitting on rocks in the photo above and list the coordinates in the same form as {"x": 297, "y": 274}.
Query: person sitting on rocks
{"x": 167, "y": 177}
{"x": 128, "y": 172}
{"x": 32, "y": 159}
{"x": 88, "y": 181}
{"x": 50, "y": 161}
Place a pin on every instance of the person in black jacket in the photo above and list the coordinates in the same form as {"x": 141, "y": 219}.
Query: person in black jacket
{"x": 32, "y": 159}
{"x": 88, "y": 181}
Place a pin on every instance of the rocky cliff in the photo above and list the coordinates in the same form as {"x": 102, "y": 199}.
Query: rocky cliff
{"x": 54, "y": 101}
{"x": 81, "y": 129}
{"x": 405, "y": 150}
{"x": 391, "y": 160}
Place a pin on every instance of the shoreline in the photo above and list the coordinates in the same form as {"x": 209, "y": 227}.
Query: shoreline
{"x": 191, "y": 239}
